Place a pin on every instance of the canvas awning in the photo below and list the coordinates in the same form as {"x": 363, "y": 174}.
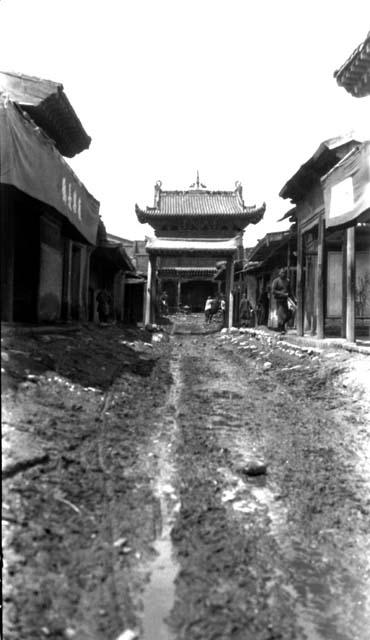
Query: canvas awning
{"x": 347, "y": 188}
{"x": 30, "y": 162}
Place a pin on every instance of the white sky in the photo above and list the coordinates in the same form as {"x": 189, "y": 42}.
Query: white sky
{"x": 240, "y": 90}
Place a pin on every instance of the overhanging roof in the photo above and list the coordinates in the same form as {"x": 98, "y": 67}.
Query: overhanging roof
{"x": 354, "y": 74}
{"x": 49, "y": 107}
{"x": 267, "y": 246}
{"x": 30, "y": 162}
{"x": 116, "y": 255}
{"x": 199, "y": 202}
{"x": 325, "y": 157}
{"x": 162, "y": 246}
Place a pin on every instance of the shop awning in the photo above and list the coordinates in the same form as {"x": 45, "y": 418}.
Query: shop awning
{"x": 30, "y": 162}
{"x": 347, "y": 188}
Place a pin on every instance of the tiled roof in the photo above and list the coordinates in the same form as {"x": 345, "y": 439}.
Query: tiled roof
{"x": 325, "y": 157}
{"x": 187, "y": 271}
{"x": 199, "y": 202}
{"x": 354, "y": 74}
{"x": 270, "y": 244}
{"x": 48, "y": 106}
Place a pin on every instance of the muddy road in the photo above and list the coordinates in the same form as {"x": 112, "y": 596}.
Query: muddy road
{"x": 184, "y": 486}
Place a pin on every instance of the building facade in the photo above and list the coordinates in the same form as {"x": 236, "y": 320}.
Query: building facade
{"x": 49, "y": 220}
{"x": 332, "y": 198}
{"x": 194, "y": 229}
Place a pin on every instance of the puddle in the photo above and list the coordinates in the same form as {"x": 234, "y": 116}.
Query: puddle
{"x": 159, "y": 594}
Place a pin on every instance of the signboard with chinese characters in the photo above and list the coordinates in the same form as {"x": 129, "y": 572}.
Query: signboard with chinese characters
{"x": 31, "y": 162}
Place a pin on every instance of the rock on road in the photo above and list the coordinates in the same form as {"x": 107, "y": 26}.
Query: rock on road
{"x": 207, "y": 496}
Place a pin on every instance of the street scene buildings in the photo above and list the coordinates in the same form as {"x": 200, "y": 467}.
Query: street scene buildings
{"x": 185, "y": 414}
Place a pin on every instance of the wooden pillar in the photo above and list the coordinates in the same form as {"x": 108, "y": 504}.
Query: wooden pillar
{"x": 344, "y": 284}
{"x": 86, "y": 283}
{"x": 148, "y": 293}
{"x": 299, "y": 291}
{"x": 351, "y": 283}
{"x": 320, "y": 276}
{"x": 229, "y": 292}
{"x": 178, "y": 293}
{"x": 153, "y": 305}
{"x": 82, "y": 254}
{"x": 123, "y": 293}
{"x": 67, "y": 280}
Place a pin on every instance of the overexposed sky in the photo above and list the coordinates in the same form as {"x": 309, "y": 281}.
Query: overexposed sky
{"x": 240, "y": 90}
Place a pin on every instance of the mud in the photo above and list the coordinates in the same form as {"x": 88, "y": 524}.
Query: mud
{"x": 127, "y": 507}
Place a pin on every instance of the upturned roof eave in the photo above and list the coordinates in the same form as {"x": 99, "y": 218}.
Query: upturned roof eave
{"x": 356, "y": 70}
{"x": 49, "y": 107}
{"x": 251, "y": 216}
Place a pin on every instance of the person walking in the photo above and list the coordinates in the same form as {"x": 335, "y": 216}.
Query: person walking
{"x": 223, "y": 307}
{"x": 281, "y": 292}
{"x": 245, "y": 311}
{"x": 103, "y": 300}
{"x": 263, "y": 308}
{"x": 164, "y": 303}
{"x": 207, "y": 310}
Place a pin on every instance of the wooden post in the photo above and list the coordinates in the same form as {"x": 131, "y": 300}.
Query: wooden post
{"x": 344, "y": 284}
{"x": 320, "y": 276}
{"x": 351, "y": 284}
{"x": 229, "y": 291}
{"x": 67, "y": 280}
{"x": 299, "y": 291}
{"x": 123, "y": 293}
{"x": 178, "y": 293}
{"x": 82, "y": 253}
{"x": 86, "y": 283}
{"x": 153, "y": 306}
{"x": 148, "y": 293}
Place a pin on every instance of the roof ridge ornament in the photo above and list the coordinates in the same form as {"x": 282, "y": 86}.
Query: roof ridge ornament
{"x": 157, "y": 193}
{"x": 239, "y": 189}
{"x": 198, "y": 185}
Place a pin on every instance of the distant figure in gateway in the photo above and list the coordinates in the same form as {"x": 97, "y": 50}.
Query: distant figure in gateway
{"x": 163, "y": 302}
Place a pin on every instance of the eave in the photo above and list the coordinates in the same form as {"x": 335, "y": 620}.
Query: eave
{"x": 269, "y": 245}
{"x": 310, "y": 173}
{"x": 252, "y": 215}
{"x": 115, "y": 255}
{"x": 354, "y": 74}
{"x": 48, "y": 106}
